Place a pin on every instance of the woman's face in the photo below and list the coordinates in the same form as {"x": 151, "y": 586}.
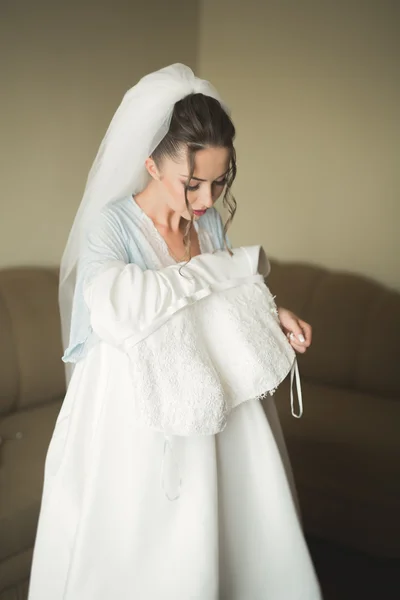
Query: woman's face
{"x": 206, "y": 186}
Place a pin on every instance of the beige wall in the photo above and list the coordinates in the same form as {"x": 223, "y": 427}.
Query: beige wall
{"x": 315, "y": 94}
{"x": 314, "y": 89}
{"x": 65, "y": 67}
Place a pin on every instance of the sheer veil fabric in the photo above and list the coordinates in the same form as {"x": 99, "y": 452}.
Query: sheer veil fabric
{"x": 138, "y": 126}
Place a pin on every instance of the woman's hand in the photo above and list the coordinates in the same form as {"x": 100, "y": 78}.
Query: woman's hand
{"x": 298, "y": 332}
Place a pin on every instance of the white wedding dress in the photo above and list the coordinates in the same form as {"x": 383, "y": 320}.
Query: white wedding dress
{"x": 127, "y": 514}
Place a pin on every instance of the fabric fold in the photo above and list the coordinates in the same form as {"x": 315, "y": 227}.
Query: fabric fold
{"x": 201, "y": 337}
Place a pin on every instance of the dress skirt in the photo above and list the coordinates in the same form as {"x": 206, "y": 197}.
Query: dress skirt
{"x": 130, "y": 514}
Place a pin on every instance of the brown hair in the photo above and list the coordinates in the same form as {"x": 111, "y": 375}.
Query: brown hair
{"x": 199, "y": 122}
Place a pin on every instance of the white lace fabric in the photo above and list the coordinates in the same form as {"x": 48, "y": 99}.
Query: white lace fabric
{"x": 201, "y": 338}
{"x": 208, "y": 358}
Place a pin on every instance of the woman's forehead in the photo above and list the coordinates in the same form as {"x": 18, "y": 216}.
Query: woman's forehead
{"x": 210, "y": 164}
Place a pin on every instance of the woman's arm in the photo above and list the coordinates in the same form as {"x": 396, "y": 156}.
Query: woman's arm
{"x": 124, "y": 300}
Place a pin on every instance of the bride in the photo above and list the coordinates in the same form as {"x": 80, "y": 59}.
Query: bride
{"x": 165, "y": 477}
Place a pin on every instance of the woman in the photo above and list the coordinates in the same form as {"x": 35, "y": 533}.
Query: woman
{"x": 154, "y": 486}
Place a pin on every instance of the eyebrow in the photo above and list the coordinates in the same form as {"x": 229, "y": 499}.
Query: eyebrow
{"x": 198, "y": 178}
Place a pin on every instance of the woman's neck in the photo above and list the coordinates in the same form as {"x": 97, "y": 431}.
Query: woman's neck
{"x": 152, "y": 203}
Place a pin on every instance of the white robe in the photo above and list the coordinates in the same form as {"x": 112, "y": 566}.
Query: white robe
{"x": 108, "y": 526}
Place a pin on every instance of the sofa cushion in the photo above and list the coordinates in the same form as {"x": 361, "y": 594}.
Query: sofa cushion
{"x": 356, "y": 326}
{"x": 344, "y": 453}
{"x": 17, "y": 592}
{"x": 14, "y": 575}
{"x": 8, "y": 361}
{"x": 30, "y": 340}
{"x": 377, "y": 365}
{"x": 22, "y": 473}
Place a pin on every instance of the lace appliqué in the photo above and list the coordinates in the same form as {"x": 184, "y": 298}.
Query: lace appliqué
{"x": 207, "y": 359}
{"x": 273, "y": 310}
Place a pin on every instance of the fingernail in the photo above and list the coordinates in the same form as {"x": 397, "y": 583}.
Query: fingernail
{"x": 302, "y": 338}
{"x": 291, "y": 335}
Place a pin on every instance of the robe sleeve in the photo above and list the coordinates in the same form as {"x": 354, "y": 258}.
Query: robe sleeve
{"x": 124, "y": 299}
{"x": 121, "y": 297}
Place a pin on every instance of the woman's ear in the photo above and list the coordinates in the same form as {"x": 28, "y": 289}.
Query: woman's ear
{"x": 152, "y": 168}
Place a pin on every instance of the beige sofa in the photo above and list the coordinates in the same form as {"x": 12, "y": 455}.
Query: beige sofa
{"x": 31, "y": 391}
{"x": 345, "y": 450}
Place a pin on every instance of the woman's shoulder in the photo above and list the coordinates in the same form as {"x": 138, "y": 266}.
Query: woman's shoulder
{"x": 211, "y": 221}
{"x": 117, "y": 216}
{"x": 117, "y": 210}
{"x": 113, "y": 227}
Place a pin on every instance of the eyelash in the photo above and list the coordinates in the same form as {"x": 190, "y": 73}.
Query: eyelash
{"x": 193, "y": 188}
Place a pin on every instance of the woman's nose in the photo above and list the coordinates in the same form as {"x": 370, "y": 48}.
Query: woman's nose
{"x": 208, "y": 198}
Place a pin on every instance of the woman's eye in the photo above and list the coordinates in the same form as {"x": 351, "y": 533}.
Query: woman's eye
{"x": 193, "y": 188}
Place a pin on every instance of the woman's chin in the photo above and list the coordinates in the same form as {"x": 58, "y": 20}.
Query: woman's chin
{"x": 187, "y": 216}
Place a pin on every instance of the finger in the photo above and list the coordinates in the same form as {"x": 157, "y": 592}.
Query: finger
{"x": 296, "y": 345}
{"x": 307, "y": 330}
{"x": 301, "y": 348}
{"x": 297, "y": 334}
